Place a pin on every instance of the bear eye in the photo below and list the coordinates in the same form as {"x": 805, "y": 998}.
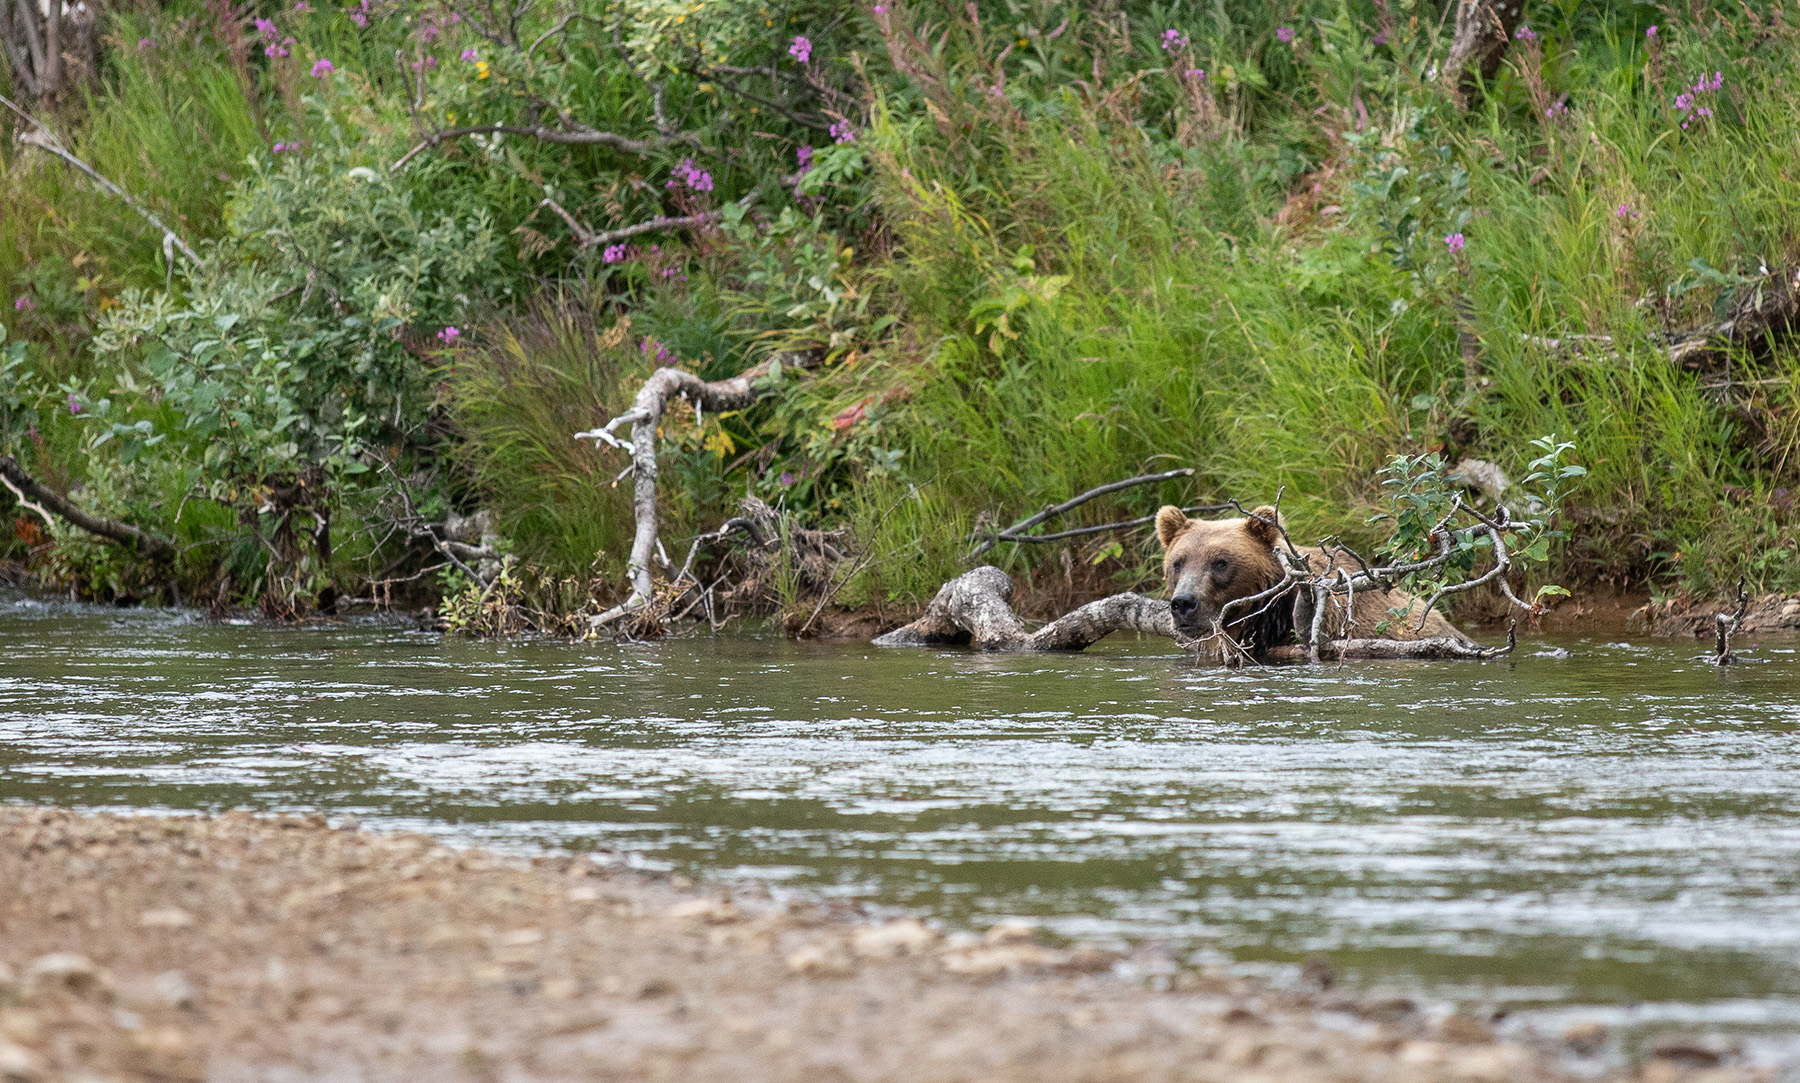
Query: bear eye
{"x": 1175, "y": 566}
{"x": 1221, "y": 564}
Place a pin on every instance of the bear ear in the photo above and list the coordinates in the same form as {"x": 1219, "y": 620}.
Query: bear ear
{"x": 1261, "y": 525}
{"x": 1171, "y": 523}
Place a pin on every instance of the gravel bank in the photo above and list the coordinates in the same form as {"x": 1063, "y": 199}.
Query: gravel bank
{"x": 263, "y": 948}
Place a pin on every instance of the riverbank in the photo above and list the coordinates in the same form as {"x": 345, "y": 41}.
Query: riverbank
{"x": 241, "y": 947}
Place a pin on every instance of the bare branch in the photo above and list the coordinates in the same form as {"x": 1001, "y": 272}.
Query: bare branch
{"x": 1016, "y": 531}
{"x": 587, "y": 238}
{"x": 38, "y": 497}
{"x": 43, "y": 138}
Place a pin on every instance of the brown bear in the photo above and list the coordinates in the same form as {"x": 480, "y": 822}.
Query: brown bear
{"x": 1210, "y": 562}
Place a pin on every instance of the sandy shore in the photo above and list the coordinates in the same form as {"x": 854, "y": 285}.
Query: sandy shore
{"x": 261, "y": 948}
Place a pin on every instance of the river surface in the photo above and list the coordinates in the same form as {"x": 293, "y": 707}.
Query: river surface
{"x": 1588, "y": 827}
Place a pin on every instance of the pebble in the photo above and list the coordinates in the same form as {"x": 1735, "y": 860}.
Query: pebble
{"x": 174, "y": 990}
{"x": 823, "y": 960}
{"x": 1586, "y": 1038}
{"x": 907, "y": 936}
{"x": 18, "y": 1064}
{"x": 169, "y": 918}
{"x": 64, "y": 970}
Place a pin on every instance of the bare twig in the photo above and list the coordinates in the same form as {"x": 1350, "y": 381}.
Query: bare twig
{"x": 41, "y": 137}
{"x": 1724, "y": 626}
{"x": 586, "y": 238}
{"x": 1016, "y": 532}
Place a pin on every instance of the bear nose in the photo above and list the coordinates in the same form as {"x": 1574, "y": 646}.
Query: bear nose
{"x": 1184, "y": 606}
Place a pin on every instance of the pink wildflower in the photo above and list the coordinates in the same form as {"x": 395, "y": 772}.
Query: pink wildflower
{"x": 323, "y": 68}
{"x": 449, "y": 335}
{"x": 800, "y": 50}
{"x": 24, "y": 304}
{"x": 1284, "y": 34}
{"x": 612, "y": 253}
{"x": 74, "y": 404}
{"x": 1454, "y": 242}
{"x": 469, "y": 56}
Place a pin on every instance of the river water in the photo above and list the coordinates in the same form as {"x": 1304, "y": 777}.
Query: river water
{"x": 1590, "y": 829}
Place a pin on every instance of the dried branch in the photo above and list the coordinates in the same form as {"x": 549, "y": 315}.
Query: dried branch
{"x": 586, "y": 238}
{"x": 37, "y": 496}
{"x": 40, "y": 136}
{"x": 577, "y": 134}
{"x": 644, "y": 417}
{"x": 1016, "y": 532}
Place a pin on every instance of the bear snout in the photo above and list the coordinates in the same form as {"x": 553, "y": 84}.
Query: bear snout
{"x": 1183, "y": 607}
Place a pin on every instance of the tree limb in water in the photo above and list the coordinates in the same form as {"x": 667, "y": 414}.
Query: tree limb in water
{"x": 975, "y": 609}
{"x": 644, "y": 417}
{"x": 33, "y": 493}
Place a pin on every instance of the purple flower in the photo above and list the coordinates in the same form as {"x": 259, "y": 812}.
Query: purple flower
{"x": 144, "y": 44}
{"x": 323, "y": 68}
{"x": 302, "y": 6}
{"x": 1454, "y": 242}
{"x": 24, "y": 304}
{"x": 360, "y": 14}
{"x": 266, "y": 27}
{"x": 278, "y": 148}
{"x": 1173, "y": 41}
{"x": 787, "y": 477}
{"x": 842, "y": 132}
{"x": 879, "y": 10}
{"x": 469, "y": 56}
{"x": 1525, "y": 33}
{"x": 449, "y": 335}
{"x": 1625, "y": 211}
{"x": 1195, "y": 73}
{"x": 800, "y": 50}
{"x": 691, "y": 175}
{"x": 1284, "y": 34}
{"x": 74, "y": 406}
{"x": 613, "y": 253}
{"x": 805, "y": 155}
{"x": 1379, "y": 39}
{"x": 1651, "y": 33}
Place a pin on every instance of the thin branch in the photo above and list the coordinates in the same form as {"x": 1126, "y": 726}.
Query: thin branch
{"x": 1016, "y": 531}
{"x": 44, "y": 139}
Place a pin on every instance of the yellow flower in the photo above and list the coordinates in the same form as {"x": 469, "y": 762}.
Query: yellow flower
{"x": 481, "y": 69}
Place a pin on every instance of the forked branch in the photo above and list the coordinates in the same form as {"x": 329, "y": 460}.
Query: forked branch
{"x": 39, "y": 497}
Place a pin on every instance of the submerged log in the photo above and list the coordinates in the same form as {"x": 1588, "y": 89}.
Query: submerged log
{"x": 975, "y": 609}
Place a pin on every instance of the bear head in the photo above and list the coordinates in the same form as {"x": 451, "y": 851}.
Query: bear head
{"x": 1209, "y": 562}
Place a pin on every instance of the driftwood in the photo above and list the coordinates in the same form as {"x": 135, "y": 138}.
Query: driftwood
{"x": 1724, "y": 625}
{"x": 976, "y": 609}
{"x": 644, "y": 417}
{"x": 39, "y": 497}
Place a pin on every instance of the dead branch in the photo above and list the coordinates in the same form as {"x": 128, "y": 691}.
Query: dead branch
{"x": 1724, "y": 626}
{"x": 40, "y": 136}
{"x": 1016, "y": 532}
{"x": 644, "y": 417}
{"x": 38, "y": 496}
{"x": 975, "y": 609}
{"x": 586, "y": 238}
{"x": 1767, "y": 311}
{"x": 576, "y": 134}
{"x": 47, "y": 49}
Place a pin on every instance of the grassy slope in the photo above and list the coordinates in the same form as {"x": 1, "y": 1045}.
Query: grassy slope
{"x": 1253, "y": 298}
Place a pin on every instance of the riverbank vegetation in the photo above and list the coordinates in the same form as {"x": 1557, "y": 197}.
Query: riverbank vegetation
{"x": 988, "y": 256}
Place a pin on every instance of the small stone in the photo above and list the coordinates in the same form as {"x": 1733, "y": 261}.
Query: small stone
{"x": 1586, "y": 1038}
{"x": 1466, "y": 1030}
{"x": 1691, "y": 1051}
{"x": 824, "y": 960}
{"x": 711, "y": 911}
{"x": 1010, "y": 932}
{"x": 167, "y": 918}
{"x": 1243, "y": 1017}
{"x": 1319, "y": 973}
{"x": 64, "y": 970}
{"x": 18, "y": 1064}
{"x": 656, "y": 987}
{"x": 173, "y": 989}
{"x": 349, "y": 822}
{"x": 907, "y": 936}
{"x": 584, "y": 893}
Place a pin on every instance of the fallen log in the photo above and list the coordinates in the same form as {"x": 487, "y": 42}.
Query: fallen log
{"x": 975, "y": 609}
{"x": 644, "y": 417}
{"x": 34, "y": 494}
